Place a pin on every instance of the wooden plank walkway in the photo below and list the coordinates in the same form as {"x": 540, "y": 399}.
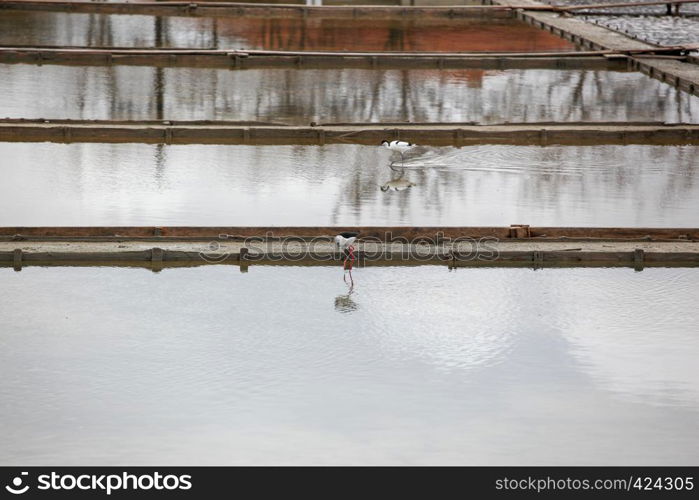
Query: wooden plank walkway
{"x": 457, "y": 134}
{"x": 455, "y": 247}
{"x": 255, "y": 59}
{"x": 209, "y": 9}
{"x": 239, "y": 9}
{"x": 383, "y": 233}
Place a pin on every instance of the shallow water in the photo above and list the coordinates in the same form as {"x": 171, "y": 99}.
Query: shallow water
{"x": 347, "y": 95}
{"x": 456, "y": 35}
{"x": 664, "y": 30}
{"x": 649, "y": 23}
{"x": 136, "y": 184}
{"x": 660, "y": 10}
{"x": 480, "y": 366}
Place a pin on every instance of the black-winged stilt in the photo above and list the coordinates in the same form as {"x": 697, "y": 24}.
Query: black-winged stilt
{"x": 344, "y": 242}
{"x": 400, "y": 146}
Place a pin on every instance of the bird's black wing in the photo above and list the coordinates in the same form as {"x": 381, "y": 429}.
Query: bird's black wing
{"x": 349, "y": 234}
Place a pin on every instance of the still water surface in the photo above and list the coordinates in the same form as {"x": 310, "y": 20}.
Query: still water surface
{"x": 346, "y": 95}
{"x": 442, "y": 35}
{"x": 279, "y": 365}
{"x": 137, "y": 184}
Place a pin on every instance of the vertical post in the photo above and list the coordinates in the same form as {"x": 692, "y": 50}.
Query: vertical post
{"x": 638, "y": 259}
{"x": 242, "y": 259}
{"x": 156, "y": 259}
{"x": 17, "y": 259}
{"x": 538, "y": 259}
{"x": 156, "y": 255}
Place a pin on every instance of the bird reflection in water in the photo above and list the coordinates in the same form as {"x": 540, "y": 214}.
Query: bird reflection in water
{"x": 344, "y": 303}
{"x": 399, "y": 183}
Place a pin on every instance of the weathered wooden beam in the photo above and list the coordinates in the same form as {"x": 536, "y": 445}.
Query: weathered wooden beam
{"x": 239, "y": 60}
{"x": 47, "y": 50}
{"x": 378, "y": 233}
{"x": 177, "y": 8}
{"x": 459, "y": 134}
{"x": 203, "y": 9}
{"x": 118, "y": 51}
{"x": 208, "y": 9}
{"x": 529, "y": 253}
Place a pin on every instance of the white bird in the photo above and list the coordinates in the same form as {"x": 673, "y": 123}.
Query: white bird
{"x": 400, "y": 146}
{"x": 346, "y": 239}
